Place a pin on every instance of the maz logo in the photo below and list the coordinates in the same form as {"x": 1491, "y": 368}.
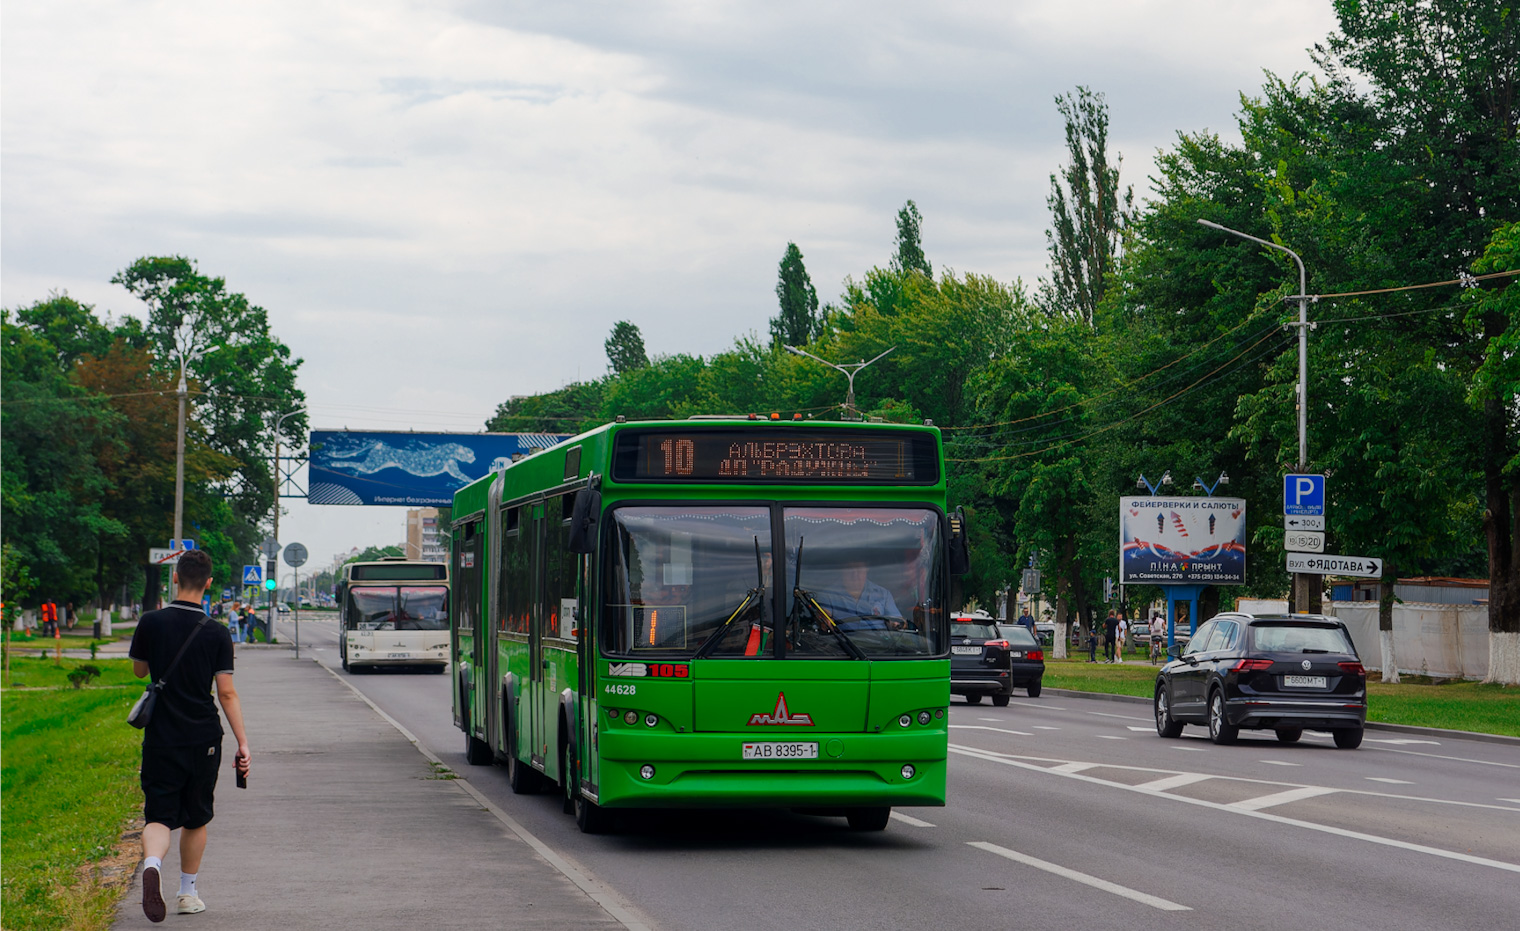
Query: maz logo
{"x": 781, "y": 716}
{"x": 627, "y": 669}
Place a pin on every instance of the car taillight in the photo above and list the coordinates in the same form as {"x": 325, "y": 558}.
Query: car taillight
{"x": 1253, "y": 665}
{"x": 1035, "y": 654}
{"x": 1353, "y": 668}
{"x": 1000, "y": 644}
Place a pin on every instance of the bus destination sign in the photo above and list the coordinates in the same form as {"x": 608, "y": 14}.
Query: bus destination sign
{"x": 761, "y": 456}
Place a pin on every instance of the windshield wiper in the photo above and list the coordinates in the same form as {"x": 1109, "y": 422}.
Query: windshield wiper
{"x": 802, "y": 597}
{"x": 753, "y": 596}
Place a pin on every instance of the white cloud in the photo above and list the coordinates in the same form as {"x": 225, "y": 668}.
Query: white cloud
{"x": 445, "y": 205}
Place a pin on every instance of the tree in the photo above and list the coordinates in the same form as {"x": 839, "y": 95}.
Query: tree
{"x": 1087, "y": 212}
{"x": 625, "y": 348}
{"x": 797, "y": 323}
{"x": 910, "y": 251}
{"x": 247, "y": 377}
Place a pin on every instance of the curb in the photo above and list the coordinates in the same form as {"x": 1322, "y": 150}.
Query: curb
{"x": 1371, "y": 725}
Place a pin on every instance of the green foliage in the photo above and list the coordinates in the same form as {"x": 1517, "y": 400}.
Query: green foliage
{"x": 910, "y": 250}
{"x": 373, "y": 553}
{"x": 1087, "y": 212}
{"x": 625, "y": 348}
{"x": 81, "y": 675}
{"x": 797, "y": 323}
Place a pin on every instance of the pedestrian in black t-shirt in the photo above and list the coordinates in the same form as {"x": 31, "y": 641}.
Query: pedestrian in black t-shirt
{"x": 182, "y": 744}
{"x": 1110, "y": 634}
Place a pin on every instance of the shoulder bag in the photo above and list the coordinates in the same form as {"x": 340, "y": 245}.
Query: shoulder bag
{"x": 142, "y": 711}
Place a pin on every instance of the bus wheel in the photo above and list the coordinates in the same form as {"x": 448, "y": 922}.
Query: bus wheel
{"x": 590, "y": 817}
{"x": 345, "y": 662}
{"x": 567, "y": 780}
{"x": 521, "y": 777}
{"x": 868, "y": 819}
{"x": 476, "y": 751}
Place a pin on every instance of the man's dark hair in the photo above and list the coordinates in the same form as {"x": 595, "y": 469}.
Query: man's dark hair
{"x": 194, "y": 569}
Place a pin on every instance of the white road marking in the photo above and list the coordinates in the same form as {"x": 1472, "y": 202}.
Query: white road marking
{"x": 1279, "y": 763}
{"x": 1127, "y": 717}
{"x": 909, "y": 819}
{"x": 1173, "y": 782}
{"x": 1515, "y": 800}
{"x": 1072, "y": 767}
{"x": 1397, "y": 782}
{"x": 1111, "y": 737}
{"x": 993, "y": 720}
{"x": 1401, "y": 741}
{"x": 1262, "y": 815}
{"x": 1438, "y": 756}
{"x": 1037, "y": 704}
{"x": 1193, "y": 749}
{"x": 1044, "y": 727}
{"x": 1133, "y": 895}
{"x": 983, "y": 727}
{"x": 1280, "y": 798}
{"x": 1142, "y": 730}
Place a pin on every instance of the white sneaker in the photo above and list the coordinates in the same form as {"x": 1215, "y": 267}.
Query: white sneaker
{"x": 190, "y": 904}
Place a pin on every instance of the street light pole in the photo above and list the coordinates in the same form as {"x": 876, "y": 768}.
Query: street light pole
{"x": 1306, "y": 594}
{"x": 850, "y": 370}
{"x": 179, "y": 458}
{"x": 277, "y": 425}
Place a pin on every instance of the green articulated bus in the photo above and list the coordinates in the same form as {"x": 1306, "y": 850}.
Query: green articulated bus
{"x": 721, "y": 612}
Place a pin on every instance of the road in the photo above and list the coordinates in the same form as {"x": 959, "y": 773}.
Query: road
{"x": 1066, "y": 812}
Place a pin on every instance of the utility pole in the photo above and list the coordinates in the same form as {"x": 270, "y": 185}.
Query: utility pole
{"x": 179, "y": 457}
{"x": 277, "y": 425}
{"x": 1307, "y": 592}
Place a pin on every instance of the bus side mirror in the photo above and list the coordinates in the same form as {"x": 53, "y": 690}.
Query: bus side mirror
{"x": 583, "y": 521}
{"x": 960, "y": 549}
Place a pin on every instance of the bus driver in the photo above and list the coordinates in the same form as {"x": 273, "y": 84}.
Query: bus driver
{"x": 859, "y": 603}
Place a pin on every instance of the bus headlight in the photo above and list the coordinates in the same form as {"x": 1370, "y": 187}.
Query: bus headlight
{"x": 630, "y": 717}
{"x": 650, "y": 720}
{"x": 905, "y": 720}
{"x": 908, "y": 771}
{"x": 647, "y": 771}
{"x": 924, "y": 717}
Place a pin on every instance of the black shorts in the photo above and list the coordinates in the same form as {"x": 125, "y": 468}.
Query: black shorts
{"x": 179, "y": 784}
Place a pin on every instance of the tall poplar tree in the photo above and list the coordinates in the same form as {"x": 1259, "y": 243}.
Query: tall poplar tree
{"x": 910, "y": 249}
{"x": 797, "y": 323}
{"x": 625, "y": 348}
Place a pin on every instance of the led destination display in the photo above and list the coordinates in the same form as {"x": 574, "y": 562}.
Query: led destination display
{"x": 764, "y": 456}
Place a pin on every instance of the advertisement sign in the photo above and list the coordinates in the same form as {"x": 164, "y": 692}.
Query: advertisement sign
{"x": 411, "y": 469}
{"x": 1182, "y": 541}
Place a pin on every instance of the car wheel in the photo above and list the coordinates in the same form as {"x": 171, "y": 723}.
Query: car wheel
{"x": 1348, "y": 738}
{"x": 1221, "y": 731}
{"x": 868, "y": 819}
{"x": 1000, "y": 701}
{"x": 1289, "y": 735}
{"x": 1034, "y": 689}
{"x": 1165, "y": 726}
{"x": 975, "y": 698}
{"x": 476, "y": 751}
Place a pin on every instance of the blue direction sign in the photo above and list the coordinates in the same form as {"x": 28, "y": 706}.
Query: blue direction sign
{"x": 1304, "y": 495}
{"x": 253, "y": 575}
{"x": 181, "y": 544}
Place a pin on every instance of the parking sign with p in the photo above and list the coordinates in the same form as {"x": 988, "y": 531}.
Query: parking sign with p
{"x": 1304, "y": 495}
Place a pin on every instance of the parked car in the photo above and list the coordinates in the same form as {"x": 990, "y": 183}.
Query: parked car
{"x": 991, "y": 659}
{"x": 1284, "y": 673}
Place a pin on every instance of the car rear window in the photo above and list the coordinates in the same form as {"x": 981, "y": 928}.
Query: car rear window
{"x": 976, "y": 630}
{"x": 1299, "y": 638}
{"x": 1020, "y": 637}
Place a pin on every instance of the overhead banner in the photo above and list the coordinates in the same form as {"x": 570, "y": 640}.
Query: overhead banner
{"x": 412, "y": 469}
{"x": 1182, "y": 541}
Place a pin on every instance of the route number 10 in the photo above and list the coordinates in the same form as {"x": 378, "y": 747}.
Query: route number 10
{"x": 680, "y": 456}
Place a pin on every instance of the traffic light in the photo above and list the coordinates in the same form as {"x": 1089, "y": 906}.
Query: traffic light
{"x": 270, "y": 585}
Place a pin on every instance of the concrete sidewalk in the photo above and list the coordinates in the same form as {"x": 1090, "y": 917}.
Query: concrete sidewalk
{"x": 345, "y": 824}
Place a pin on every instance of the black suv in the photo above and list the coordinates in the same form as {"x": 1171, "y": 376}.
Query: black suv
{"x": 986, "y": 659}
{"x": 1286, "y": 673}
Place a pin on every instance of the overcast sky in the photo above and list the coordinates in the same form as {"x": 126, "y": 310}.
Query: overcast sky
{"x": 445, "y": 204}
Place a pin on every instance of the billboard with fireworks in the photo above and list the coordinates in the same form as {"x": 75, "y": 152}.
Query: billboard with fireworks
{"x": 1182, "y": 541}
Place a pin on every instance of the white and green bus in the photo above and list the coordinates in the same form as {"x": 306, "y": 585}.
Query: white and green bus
{"x": 394, "y": 612}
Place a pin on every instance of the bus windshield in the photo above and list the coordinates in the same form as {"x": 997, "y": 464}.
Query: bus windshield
{"x": 690, "y": 579}
{"x": 388, "y": 607}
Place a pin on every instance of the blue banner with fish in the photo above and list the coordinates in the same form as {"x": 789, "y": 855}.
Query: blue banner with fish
{"x": 410, "y": 469}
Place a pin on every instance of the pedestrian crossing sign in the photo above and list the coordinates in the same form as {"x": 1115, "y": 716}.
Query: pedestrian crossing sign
{"x": 253, "y": 575}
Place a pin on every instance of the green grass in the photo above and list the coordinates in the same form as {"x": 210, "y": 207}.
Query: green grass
{"x": 32, "y": 672}
{"x": 1456, "y": 705}
{"x": 68, "y": 789}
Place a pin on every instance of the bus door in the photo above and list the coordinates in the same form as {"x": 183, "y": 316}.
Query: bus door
{"x": 470, "y": 630}
{"x": 538, "y": 663}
